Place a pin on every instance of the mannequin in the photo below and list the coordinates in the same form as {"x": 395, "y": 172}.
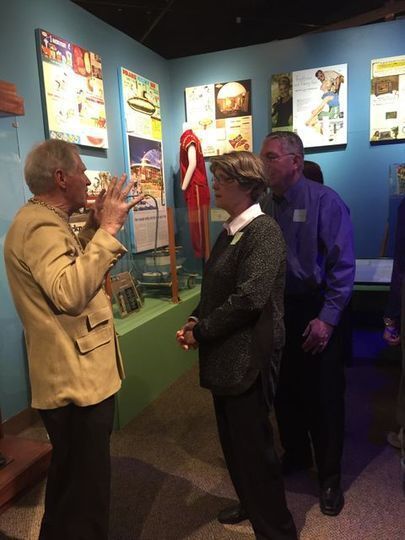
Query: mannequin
{"x": 194, "y": 185}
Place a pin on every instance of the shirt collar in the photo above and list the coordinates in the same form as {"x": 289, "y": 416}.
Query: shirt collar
{"x": 238, "y": 223}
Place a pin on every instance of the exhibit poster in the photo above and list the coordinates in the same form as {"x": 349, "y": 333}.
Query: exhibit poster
{"x": 99, "y": 181}
{"x": 220, "y": 115}
{"x": 387, "y": 100}
{"x": 320, "y": 105}
{"x": 73, "y": 92}
{"x": 281, "y": 102}
{"x": 143, "y": 138}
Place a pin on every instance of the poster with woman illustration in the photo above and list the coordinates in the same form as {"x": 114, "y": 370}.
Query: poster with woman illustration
{"x": 320, "y": 105}
{"x": 281, "y": 102}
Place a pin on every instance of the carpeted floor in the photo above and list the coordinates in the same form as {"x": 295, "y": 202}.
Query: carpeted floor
{"x": 170, "y": 481}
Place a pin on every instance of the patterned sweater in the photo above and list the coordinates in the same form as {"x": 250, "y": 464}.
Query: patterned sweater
{"x": 241, "y": 308}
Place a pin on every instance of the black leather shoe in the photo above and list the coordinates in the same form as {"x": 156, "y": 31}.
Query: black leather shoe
{"x": 291, "y": 465}
{"x": 331, "y": 501}
{"x": 232, "y": 515}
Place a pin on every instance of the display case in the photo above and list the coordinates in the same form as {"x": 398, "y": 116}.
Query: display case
{"x": 163, "y": 273}
{"x": 168, "y": 281}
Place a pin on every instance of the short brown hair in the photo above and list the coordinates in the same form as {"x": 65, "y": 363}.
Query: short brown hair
{"x": 244, "y": 167}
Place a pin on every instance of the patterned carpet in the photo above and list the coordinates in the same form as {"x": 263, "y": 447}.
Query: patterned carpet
{"x": 170, "y": 481}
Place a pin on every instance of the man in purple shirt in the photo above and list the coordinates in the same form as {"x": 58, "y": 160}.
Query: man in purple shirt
{"x": 320, "y": 271}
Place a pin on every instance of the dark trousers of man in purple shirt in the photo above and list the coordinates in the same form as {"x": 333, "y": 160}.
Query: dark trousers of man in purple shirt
{"x": 309, "y": 402}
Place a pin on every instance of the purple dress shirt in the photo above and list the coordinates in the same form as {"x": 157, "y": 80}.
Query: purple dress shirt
{"x": 318, "y": 232}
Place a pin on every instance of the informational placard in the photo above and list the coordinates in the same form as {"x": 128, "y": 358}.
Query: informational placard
{"x": 143, "y": 138}
{"x": 312, "y": 103}
{"x": 387, "y": 100}
{"x": 73, "y": 91}
{"x": 220, "y": 115}
{"x": 373, "y": 271}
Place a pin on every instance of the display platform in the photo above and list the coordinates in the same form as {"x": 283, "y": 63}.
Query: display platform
{"x": 152, "y": 358}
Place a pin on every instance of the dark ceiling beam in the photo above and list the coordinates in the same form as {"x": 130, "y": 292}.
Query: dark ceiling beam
{"x": 387, "y": 12}
{"x": 157, "y": 20}
{"x": 117, "y": 5}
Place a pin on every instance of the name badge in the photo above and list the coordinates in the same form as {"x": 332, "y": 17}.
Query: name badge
{"x": 236, "y": 238}
{"x": 300, "y": 215}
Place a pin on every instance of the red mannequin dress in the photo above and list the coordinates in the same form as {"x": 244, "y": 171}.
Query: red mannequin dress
{"x": 197, "y": 194}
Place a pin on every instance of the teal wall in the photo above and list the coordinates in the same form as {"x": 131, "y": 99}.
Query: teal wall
{"x": 18, "y": 64}
{"x": 359, "y": 172}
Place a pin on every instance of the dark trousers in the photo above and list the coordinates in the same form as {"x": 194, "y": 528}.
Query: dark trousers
{"x": 247, "y": 442}
{"x": 77, "y": 495}
{"x": 309, "y": 401}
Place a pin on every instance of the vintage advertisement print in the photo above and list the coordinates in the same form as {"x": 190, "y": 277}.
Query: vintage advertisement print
{"x": 220, "y": 115}
{"x": 320, "y": 105}
{"x": 387, "y": 99}
{"x": 73, "y": 92}
{"x": 281, "y": 102}
{"x": 143, "y": 126}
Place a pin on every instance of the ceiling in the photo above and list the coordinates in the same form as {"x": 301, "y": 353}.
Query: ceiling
{"x": 176, "y": 28}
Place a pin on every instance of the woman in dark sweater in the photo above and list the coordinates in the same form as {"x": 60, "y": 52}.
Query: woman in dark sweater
{"x": 238, "y": 329}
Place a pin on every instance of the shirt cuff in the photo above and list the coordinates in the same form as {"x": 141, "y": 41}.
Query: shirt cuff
{"x": 330, "y": 316}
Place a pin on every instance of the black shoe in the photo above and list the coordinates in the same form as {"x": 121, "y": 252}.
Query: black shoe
{"x": 331, "y": 501}
{"x": 232, "y": 515}
{"x": 291, "y": 465}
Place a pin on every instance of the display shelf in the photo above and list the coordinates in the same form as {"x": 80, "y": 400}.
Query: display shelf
{"x": 152, "y": 358}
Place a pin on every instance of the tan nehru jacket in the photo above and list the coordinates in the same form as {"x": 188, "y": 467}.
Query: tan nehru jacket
{"x": 56, "y": 282}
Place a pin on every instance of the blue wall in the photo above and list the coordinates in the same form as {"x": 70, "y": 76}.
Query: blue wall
{"x": 359, "y": 172}
{"x": 18, "y": 64}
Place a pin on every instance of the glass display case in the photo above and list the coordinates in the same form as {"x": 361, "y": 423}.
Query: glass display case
{"x": 165, "y": 272}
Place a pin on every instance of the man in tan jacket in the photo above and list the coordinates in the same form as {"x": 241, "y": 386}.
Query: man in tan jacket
{"x": 56, "y": 280}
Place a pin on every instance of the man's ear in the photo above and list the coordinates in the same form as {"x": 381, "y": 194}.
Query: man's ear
{"x": 60, "y": 179}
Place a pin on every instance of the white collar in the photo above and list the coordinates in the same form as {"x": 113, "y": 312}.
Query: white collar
{"x": 248, "y": 215}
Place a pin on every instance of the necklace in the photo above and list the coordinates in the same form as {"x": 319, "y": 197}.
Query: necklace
{"x": 61, "y": 215}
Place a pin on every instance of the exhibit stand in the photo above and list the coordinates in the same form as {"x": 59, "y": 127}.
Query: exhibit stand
{"x": 154, "y": 292}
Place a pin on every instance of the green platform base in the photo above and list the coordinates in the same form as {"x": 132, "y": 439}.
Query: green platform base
{"x": 152, "y": 358}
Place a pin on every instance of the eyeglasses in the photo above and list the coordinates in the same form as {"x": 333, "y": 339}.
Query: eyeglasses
{"x": 271, "y": 157}
{"x": 222, "y": 181}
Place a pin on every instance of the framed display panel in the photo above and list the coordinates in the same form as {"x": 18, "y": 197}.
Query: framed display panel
{"x": 72, "y": 90}
{"x": 312, "y": 103}
{"x": 220, "y": 115}
{"x": 387, "y": 99}
{"x": 142, "y": 131}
